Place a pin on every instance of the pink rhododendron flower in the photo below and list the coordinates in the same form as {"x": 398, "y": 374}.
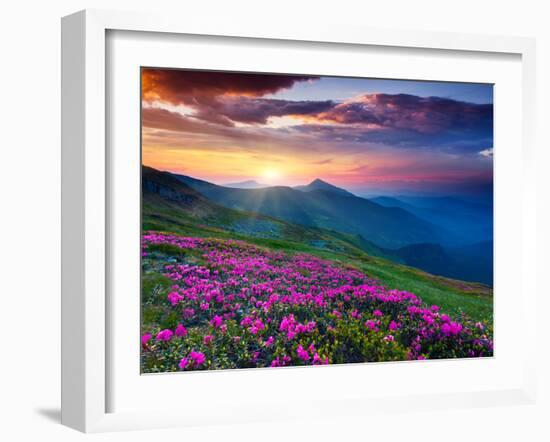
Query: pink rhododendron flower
{"x": 280, "y": 361}
{"x": 456, "y": 328}
{"x": 165, "y": 335}
{"x": 285, "y": 323}
{"x": 207, "y": 339}
{"x": 181, "y": 330}
{"x": 197, "y": 357}
{"x": 393, "y": 325}
{"x": 145, "y": 339}
{"x": 302, "y": 354}
{"x": 216, "y": 321}
{"x": 174, "y": 298}
{"x": 371, "y": 325}
{"x": 317, "y": 360}
{"x": 183, "y": 363}
{"x": 246, "y": 321}
{"x": 377, "y": 313}
{"x": 451, "y": 328}
{"x": 428, "y": 319}
{"x": 188, "y": 313}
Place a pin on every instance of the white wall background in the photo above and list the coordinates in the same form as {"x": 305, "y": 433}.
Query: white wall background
{"x": 30, "y": 217}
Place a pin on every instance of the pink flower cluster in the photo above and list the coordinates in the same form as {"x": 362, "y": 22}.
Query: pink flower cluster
{"x": 293, "y": 328}
{"x": 243, "y": 305}
{"x": 195, "y": 359}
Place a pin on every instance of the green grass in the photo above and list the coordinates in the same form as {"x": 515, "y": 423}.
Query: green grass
{"x": 154, "y": 288}
{"x": 453, "y": 296}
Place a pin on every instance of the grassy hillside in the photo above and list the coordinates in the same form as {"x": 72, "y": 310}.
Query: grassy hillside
{"x": 171, "y": 206}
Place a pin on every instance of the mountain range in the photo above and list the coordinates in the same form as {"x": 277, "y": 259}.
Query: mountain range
{"x": 325, "y": 206}
{"x": 166, "y": 201}
{"x": 468, "y": 221}
{"x": 249, "y": 184}
{"x": 324, "y": 215}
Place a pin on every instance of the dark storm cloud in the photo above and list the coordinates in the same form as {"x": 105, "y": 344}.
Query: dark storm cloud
{"x": 189, "y": 87}
{"x": 224, "y": 97}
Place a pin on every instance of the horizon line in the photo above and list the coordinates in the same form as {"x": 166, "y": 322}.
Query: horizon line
{"x": 361, "y": 193}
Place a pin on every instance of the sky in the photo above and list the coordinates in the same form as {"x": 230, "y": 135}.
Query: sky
{"x": 369, "y": 136}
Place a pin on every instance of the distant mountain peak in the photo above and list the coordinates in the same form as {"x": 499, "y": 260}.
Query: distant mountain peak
{"x": 318, "y": 181}
{"x": 248, "y": 184}
{"x": 319, "y": 184}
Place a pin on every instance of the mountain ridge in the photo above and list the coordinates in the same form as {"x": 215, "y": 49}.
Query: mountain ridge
{"x": 319, "y": 184}
{"x": 386, "y": 227}
{"x": 470, "y": 222}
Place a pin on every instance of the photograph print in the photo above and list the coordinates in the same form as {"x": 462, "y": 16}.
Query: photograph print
{"x": 306, "y": 220}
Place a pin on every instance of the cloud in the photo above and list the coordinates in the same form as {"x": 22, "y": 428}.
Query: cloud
{"x": 161, "y": 126}
{"x": 406, "y": 121}
{"x": 220, "y": 103}
{"x": 410, "y": 112}
{"x": 164, "y": 120}
{"x": 486, "y": 152}
{"x": 225, "y": 98}
{"x": 259, "y": 110}
{"x": 190, "y": 87}
{"x": 323, "y": 162}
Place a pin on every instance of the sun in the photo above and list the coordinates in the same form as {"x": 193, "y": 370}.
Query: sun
{"x": 270, "y": 175}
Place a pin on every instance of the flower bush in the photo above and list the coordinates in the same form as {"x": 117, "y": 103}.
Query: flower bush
{"x": 228, "y": 304}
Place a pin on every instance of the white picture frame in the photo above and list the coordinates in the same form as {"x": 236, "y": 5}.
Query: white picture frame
{"x": 86, "y": 212}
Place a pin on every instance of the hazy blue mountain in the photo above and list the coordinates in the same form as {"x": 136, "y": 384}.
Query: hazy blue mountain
{"x": 249, "y": 184}
{"x": 388, "y": 201}
{"x": 468, "y": 221}
{"x": 319, "y": 184}
{"x": 389, "y": 227}
{"x": 473, "y": 262}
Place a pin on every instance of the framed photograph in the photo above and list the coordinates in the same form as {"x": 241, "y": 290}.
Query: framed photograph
{"x": 260, "y": 212}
